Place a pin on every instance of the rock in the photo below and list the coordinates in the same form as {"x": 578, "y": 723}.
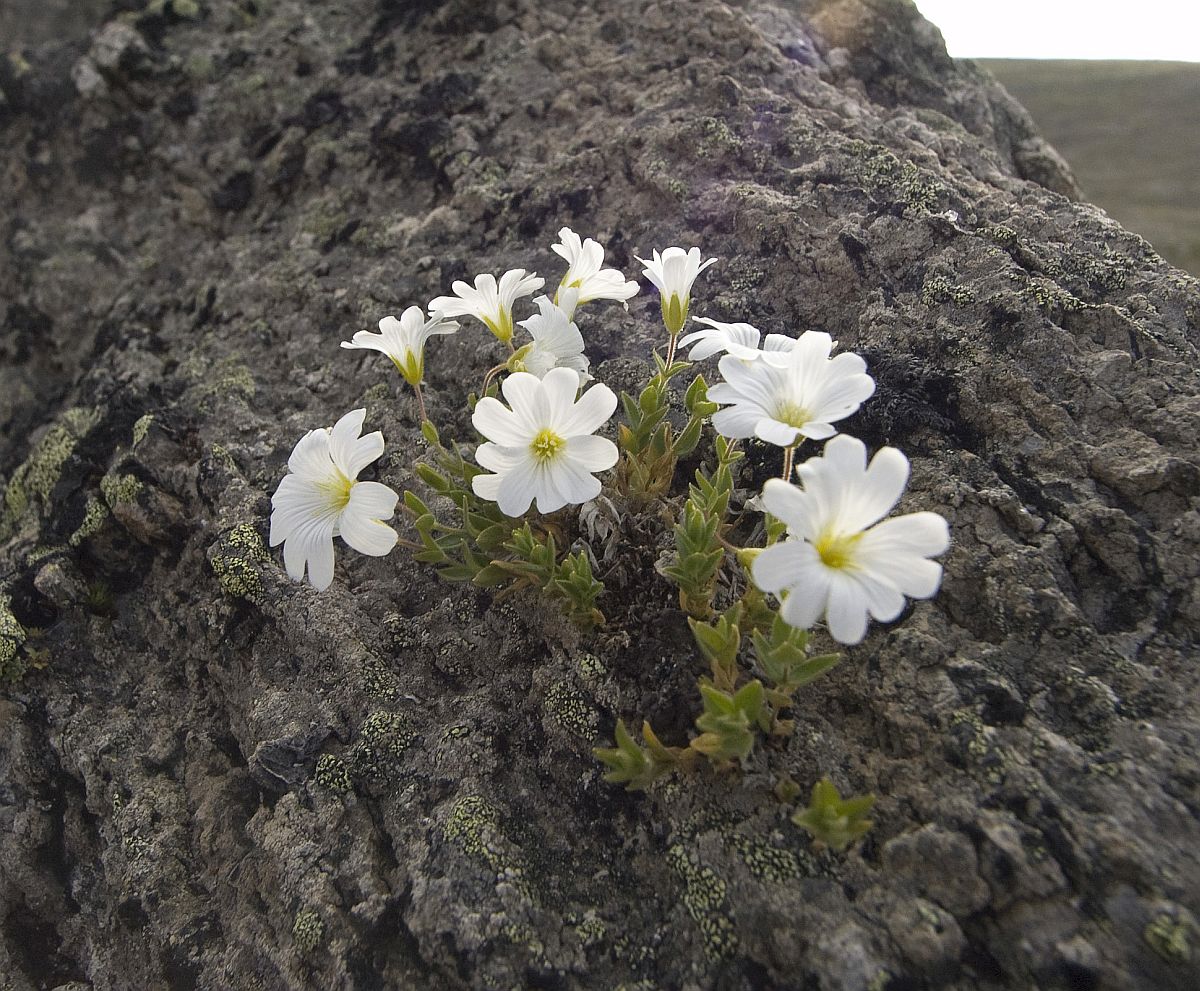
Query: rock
{"x": 212, "y": 776}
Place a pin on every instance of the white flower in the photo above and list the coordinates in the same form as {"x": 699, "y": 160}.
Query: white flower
{"x": 488, "y": 302}
{"x": 320, "y": 499}
{"x": 542, "y": 448}
{"x": 840, "y": 561}
{"x": 404, "y": 340}
{"x": 800, "y": 397}
{"x": 739, "y": 339}
{"x": 585, "y": 274}
{"x": 557, "y": 342}
{"x": 673, "y": 273}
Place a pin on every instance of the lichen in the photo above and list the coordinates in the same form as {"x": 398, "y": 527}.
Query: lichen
{"x": 237, "y": 562}
{"x": 569, "y": 710}
{"x": 384, "y": 738}
{"x": 1169, "y": 937}
{"x": 767, "y": 862}
{"x": 999, "y": 233}
{"x": 12, "y": 638}
{"x": 94, "y": 515}
{"x": 705, "y": 898}
{"x": 592, "y": 668}
{"x": 118, "y": 489}
{"x": 939, "y": 289}
{"x": 332, "y": 773}
{"x": 142, "y": 427}
{"x": 883, "y": 172}
{"x": 474, "y": 825}
{"x": 307, "y": 931}
{"x": 34, "y": 480}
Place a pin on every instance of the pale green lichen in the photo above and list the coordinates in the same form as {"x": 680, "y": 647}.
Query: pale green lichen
{"x": 307, "y": 931}
{"x": 474, "y": 825}
{"x": 120, "y": 489}
{"x": 34, "y": 480}
{"x": 883, "y": 172}
{"x": 237, "y": 562}
{"x": 142, "y": 427}
{"x": 705, "y": 898}
{"x": 1170, "y": 938}
{"x": 939, "y": 289}
{"x": 384, "y": 738}
{"x": 568, "y": 709}
{"x": 332, "y": 773}
{"x": 94, "y": 515}
{"x": 12, "y": 638}
{"x": 767, "y": 862}
{"x": 230, "y": 379}
{"x": 378, "y": 680}
{"x": 592, "y": 668}
{"x": 1000, "y": 234}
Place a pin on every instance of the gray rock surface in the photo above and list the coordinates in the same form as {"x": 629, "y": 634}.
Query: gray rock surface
{"x": 211, "y": 777}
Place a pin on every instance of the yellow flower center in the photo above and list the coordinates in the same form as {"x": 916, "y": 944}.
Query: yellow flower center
{"x": 836, "y": 550}
{"x": 793, "y": 415}
{"x": 337, "y": 491}
{"x": 547, "y": 444}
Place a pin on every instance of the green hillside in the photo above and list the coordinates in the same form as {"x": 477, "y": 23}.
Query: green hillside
{"x": 1130, "y": 132}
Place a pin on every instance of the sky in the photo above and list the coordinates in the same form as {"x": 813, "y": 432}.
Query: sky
{"x": 1068, "y": 29}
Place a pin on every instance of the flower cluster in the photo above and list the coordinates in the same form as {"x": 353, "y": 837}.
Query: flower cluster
{"x": 825, "y": 549}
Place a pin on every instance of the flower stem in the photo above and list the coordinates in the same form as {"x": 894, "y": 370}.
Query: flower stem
{"x": 492, "y": 373}
{"x": 671, "y": 350}
{"x": 420, "y": 401}
{"x": 788, "y": 454}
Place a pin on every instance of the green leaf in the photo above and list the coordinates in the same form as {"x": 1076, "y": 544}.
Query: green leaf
{"x": 833, "y": 821}
{"x": 430, "y": 433}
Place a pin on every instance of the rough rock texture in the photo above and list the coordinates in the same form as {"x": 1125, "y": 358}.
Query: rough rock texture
{"x": 215, "y": 778}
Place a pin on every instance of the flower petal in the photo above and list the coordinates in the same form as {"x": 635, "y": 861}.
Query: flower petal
{"x": 367, "y": 535}
{"x": 343, "y": 440}
{"x": 590, "y": 412}
{"x": 311, "y": 544}
{"x": 777, "y": 567}
{"x": 591, "y": 452}
{"x": 372, "y": 500}
{"x": 774, "y": 432}
{"x": 846, "y": 614}
{"x": 310, "y": 457}
{"x": 500, "y": 424}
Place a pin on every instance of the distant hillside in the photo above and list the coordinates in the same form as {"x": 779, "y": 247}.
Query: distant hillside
{"x": 1129, "y": 131}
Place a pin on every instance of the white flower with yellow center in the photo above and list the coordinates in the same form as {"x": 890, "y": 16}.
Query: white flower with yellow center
{"x": 673, "y": 273}
{"x": 489, "y": 302}
{"x": 738, "y": 339}
{"x": 404, "y": 340}
{"x": 585, "y": 274}
{"x": 839, "y": 560}
{"x": 543, "y": 448}
{"x": 557, "y": 342}
{"x": 800, "y": 396}
{"x": 320, "y": 498}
